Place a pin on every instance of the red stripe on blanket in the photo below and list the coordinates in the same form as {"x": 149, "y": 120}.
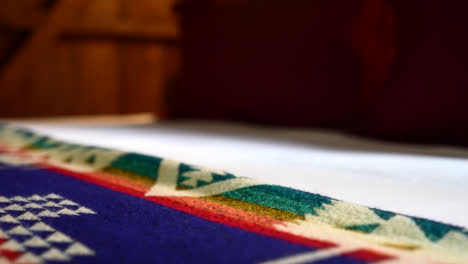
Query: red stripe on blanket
{"x": 182, "y": 206}
{"x": 368, "y": 255}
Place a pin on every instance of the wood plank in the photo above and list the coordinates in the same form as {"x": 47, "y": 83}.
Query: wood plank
{"x": 43, "y": 95}
{"x": 14, "y": 78}
{"x": 98, "y": 78}
{"x": 61, "y": 86}
{"x": 22, "y": 14}
{"x": 118, "y": 30}
{"x": 124, "y": 72}
{"x": 142, "y": 78}
{"x": 51, "y": 86}
{"x": 9, "y": 43}
{"x": 144, "y": 64}
{"x": 145, "y": 21}
{"x": 172, "y": 68}
{"x": 98, "y": 68}
{"x": 124, "y": 31}
{"x": 148, "y": 11}
{"x": 87, "y": 120}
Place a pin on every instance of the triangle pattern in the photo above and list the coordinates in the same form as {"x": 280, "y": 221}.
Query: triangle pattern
{"x": 19, "y": 230}
{"x": 78, "y": 249}
{"x": 41, "y": 227}
{"x": 68, "y": 202}
{"x": 363, "y": 228}
{"x": 385, "y": 215}
{"x": 29, "y": 217}
{"x": 84, "y": 210}
{"x": 91, "y": 159}
{"x": 19, "y": 199}
{"x": 433, "y": 230}
{"x": 28, "y": 258}
{"x": 66, "y": 211}
{"x": 338, "y": 214}
{"x": 403, "y": 229}
{"x": 53, "y": 196}
{"x": 52, "y": 204}
{"x": 54, "y": 254}
{"x": 3, "y": 199}
{"x": 47, "y": 213}
{"x": 59, "y": 237}
{"x": 3, "y": 234}
{"x": 8, "y": 219}
{"x": 12, "y": 245}
{"x": 36, "y": 242}
{"x": 454, "y": 240}
{"x": 36, "y": 198}
{"x": 14, "y": 207}
{"x": 33, "y": 206}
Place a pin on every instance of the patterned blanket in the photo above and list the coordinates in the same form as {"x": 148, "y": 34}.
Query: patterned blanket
{"x": 62, "y": 202}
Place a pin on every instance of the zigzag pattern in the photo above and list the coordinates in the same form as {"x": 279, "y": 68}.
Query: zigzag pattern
{"x": 25, "y": 238}
{"x": 283, "y": 209}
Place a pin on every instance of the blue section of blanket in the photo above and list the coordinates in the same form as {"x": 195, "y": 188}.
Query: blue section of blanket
{"x": 124, "y": 228}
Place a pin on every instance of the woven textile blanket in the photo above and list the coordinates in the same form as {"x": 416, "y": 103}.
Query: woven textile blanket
{"x": 62, "y": 202}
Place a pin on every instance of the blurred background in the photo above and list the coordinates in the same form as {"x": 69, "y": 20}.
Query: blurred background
{"x": 392, "y": 69}
{"x": 308, "y": 74}
{"x": 60, "y": 58}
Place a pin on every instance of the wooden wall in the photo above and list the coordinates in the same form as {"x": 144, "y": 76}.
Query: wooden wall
{"x": 68, "y": 57}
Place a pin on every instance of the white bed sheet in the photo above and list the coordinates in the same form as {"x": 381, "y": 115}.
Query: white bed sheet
{"x": 423, "y": 181}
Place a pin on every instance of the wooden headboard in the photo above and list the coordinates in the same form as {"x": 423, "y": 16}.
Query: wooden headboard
{"x": 67, "y": 57}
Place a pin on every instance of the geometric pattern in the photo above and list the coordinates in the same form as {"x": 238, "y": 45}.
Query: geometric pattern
{"x": 396, "y": 229}
{"x": 343, "y": 229}
{"x": 348, "y": 221}
{"x": 25, "y": 238}
{"x": 196, "y": 176}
